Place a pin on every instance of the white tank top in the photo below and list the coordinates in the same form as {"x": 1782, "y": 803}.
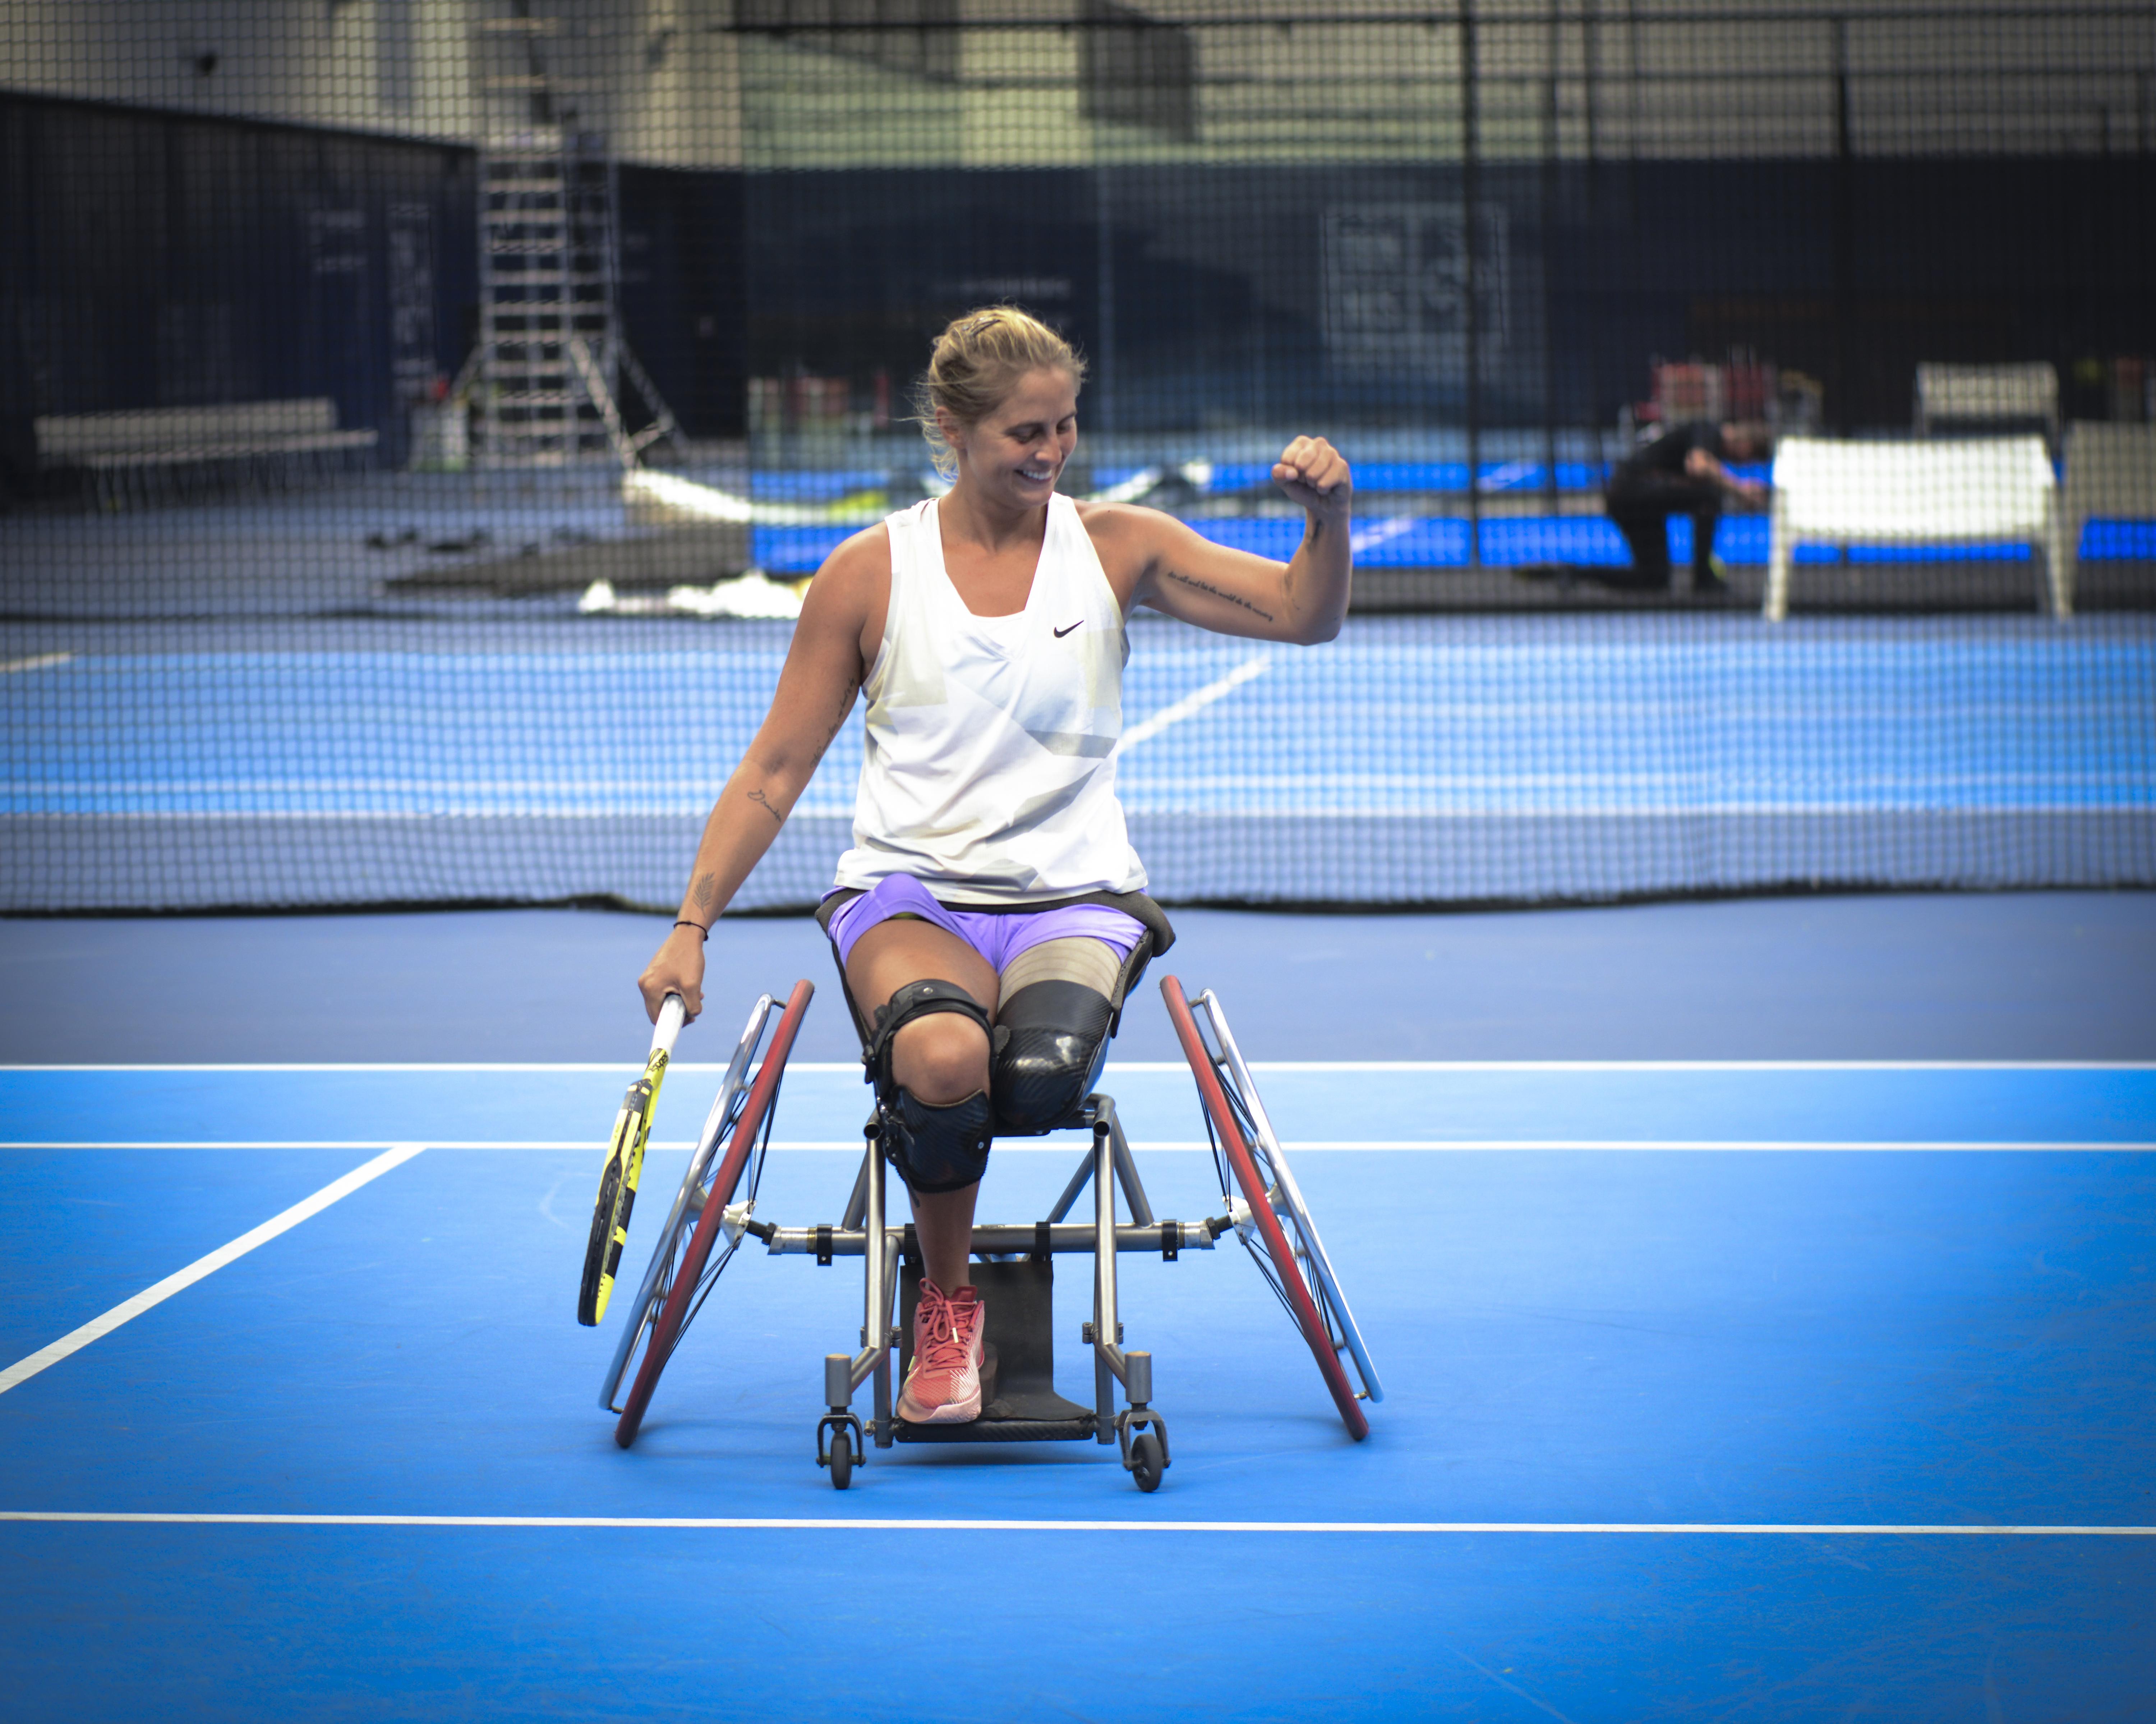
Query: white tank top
{"x": 990, "y": 773}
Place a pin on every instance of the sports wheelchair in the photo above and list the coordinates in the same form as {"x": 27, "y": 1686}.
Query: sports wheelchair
{"x": 714, "y": 1212}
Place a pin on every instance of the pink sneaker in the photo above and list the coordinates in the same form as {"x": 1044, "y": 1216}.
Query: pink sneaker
{"x": 944, "y": 1386}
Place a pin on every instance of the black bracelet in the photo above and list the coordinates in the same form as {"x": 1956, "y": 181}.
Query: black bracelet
{"x": 698, "y": 926}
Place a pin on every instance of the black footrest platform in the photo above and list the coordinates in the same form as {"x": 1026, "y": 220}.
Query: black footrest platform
{"x": 1023, "y": 1406}
{"x": 1000, "y": 1422}
{"x": 998, "y": 1430}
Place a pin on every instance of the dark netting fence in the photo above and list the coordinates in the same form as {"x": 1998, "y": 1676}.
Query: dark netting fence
{"x": 417, "y": 418}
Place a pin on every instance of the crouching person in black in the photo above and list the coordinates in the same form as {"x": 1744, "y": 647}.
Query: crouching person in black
{"x": 1684, "y": 471}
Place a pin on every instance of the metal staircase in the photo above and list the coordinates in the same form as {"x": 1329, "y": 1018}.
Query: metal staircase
{"x": 546, "y": 292}
{"x": 544, "y": 385}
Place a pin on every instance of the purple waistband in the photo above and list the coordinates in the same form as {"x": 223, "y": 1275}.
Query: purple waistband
{"x": 998, "y": 936}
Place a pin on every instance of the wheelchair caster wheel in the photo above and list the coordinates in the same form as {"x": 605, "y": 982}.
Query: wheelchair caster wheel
{"x": 1146, "y": 1460}
{"x": 841, "y": 1442}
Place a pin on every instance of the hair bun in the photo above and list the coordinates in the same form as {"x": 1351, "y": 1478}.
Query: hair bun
{"x": 977, "y": 361}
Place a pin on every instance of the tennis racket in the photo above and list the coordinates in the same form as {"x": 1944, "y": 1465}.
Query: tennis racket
{"x": 624, "y": 1166}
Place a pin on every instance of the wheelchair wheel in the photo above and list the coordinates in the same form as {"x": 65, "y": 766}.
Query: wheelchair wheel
{"x": 1303, "y": 1279}
{"x": 1146, "y": 1463}
{"x": 719, "y": 1126}
{"x": 683, "y": 1271}
{"x": 1270, "y": 1160}
{"x": 723, "y": 1119}
{"x": 842, "y": 1460}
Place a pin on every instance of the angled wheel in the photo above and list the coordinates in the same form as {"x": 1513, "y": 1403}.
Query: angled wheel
{"x": 1300, "y": 1227}
{"x": 1299, "y": 1272}
{"x": 723, "y": 1120}
{"x": 685, "y": 1269}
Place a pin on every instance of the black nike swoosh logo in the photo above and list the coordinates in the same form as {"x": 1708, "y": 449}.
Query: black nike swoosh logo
{"x": 1059, "y": 632}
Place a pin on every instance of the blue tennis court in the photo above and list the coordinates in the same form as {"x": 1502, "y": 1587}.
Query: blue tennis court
{"x": 1741, "y": 1386}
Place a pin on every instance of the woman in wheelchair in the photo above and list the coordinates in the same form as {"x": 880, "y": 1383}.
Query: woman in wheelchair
{"x": 991, "y": 912}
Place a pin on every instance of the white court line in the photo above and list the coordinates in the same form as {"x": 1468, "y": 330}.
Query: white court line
{"x": 637, "y": 1523}
{"x": 1125, "y": 1066}
{"x": 1368, "y": 535}
{"x": 129, "y": 1309}
{"x": 36, "y": 661}
{"x": 1320, "y": 1146}
{"x": 1190, "y": 704}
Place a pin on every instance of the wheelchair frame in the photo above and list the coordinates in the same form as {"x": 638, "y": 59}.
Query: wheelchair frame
{"x": 728, "y": 1161}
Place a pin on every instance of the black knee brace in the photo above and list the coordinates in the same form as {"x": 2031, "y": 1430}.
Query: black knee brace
{"x": 1050, "y": 1038}
{"x": 934, "y": 1148}
{"x": 937, "y": 1148}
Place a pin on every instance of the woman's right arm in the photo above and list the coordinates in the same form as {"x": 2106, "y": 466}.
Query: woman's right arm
{"x": 1701, "y": 464}
{"x": 825, "y": 666}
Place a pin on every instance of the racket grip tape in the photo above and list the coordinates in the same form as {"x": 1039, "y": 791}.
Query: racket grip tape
{"x": 673, "y": 1013}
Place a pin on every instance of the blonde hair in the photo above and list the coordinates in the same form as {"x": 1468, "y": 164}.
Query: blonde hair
{"x": 977, "y": 361}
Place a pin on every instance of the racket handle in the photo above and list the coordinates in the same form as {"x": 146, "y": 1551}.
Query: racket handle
{"x": 673, "y": 1013}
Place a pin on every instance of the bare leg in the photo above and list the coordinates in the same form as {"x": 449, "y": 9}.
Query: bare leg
{"x": 943, "y": 1222}
{"x": 939, "y": 1060}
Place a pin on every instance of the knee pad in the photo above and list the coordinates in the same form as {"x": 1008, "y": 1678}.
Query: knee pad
{"x": 934, "y": 1148}
{"x": 1053, "y": 1034}
{"x": 937, "y": 1148}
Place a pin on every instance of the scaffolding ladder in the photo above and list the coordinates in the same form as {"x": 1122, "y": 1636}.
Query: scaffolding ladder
{"x": 546, "y": 301}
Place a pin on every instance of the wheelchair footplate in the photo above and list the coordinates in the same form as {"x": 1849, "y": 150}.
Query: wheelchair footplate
{"x": 1019, "y": 1403}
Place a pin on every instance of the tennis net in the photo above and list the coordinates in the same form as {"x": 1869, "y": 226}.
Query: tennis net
{"x": 416, "y": 425}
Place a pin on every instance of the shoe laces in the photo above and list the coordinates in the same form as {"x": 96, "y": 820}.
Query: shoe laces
{"x": 945, "y": 1339}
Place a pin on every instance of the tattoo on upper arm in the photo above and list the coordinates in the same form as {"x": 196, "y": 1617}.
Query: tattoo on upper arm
{"x": 769, "y": 807}
{"x": 705, "y": 891}
{"x": 1218, "y": 592}
{"x": 846, "y": 712}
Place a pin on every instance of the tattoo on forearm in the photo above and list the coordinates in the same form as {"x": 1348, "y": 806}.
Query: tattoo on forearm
{"x": 705, "y": 891}
{"x": 769, "y": 806}
{"x": 1236, "y": 598}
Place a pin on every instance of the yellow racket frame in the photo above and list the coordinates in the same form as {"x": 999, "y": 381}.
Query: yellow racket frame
{"x": 621, "y": 1170}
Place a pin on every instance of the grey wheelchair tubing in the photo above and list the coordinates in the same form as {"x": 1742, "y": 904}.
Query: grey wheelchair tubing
{"x": 1298, "y": 1212}
{"x": 724, "y": 1116}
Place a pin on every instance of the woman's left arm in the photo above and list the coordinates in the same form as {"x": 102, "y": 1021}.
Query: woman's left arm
{"x": 1154, "y": 559}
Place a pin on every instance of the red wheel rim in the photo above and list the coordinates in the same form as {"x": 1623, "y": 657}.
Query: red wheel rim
{"x": 1293, "y": 1287}
{"x": 763, "y": 1094}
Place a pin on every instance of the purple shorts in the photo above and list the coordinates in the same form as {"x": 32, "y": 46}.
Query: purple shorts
{"x": 997, "y": 934}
